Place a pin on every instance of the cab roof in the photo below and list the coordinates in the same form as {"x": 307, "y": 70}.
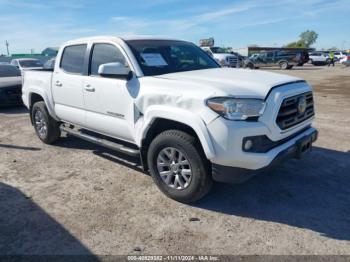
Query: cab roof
{"x": 117, "y": 39}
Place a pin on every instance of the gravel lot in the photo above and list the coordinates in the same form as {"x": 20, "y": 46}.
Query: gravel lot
{"x": 77, "y": 198}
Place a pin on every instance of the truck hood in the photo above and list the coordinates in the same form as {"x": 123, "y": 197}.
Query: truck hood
{"x": 223, "y": 56}
{"x": 230, "y": 82}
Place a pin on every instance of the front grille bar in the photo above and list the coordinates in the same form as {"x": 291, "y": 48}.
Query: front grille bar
{"x": 289, "y": 115}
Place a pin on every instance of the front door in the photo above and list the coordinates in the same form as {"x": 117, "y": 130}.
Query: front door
{"x": 109, "y": 104}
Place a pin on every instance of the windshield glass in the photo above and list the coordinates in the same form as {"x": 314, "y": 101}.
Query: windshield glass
{"x": 157, "y": 57}
{"x": 30, "y": 63}
{"x": 219, "y": 50}
{"x": 9, "y": 71}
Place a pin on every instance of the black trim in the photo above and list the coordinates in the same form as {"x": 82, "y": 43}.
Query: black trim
{"x": 236, "y": 175}
{"x": 262, "y": 144}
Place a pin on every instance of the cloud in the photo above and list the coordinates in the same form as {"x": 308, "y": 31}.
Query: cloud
{"x": 180, "y": 25}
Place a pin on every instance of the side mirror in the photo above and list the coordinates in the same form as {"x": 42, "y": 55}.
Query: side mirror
{"x": 115, "y": 70}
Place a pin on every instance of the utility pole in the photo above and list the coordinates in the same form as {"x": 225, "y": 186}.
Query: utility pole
{"x": 7, "y": 47}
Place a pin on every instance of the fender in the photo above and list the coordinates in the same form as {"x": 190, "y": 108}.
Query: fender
{"x": 180, "y": 115}
{"x": 48, "y": 101}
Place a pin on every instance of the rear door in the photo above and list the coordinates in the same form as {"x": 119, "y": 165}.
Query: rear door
{"x": 270, "y": 59}
{"x": 67, "y": 85}
{"x": 109, "y": 103}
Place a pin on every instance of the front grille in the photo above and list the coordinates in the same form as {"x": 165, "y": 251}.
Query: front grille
{"x": 232, "y": 60}
{"x": 290, "y": 114}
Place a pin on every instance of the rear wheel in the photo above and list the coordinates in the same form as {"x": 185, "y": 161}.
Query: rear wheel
{"x": 46, "y": 128}
{"x": 178, "y": 167}
{"x": 283, "y": 65}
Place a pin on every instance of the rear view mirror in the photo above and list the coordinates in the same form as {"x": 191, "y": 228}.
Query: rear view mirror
{"x": 115, "y": 70}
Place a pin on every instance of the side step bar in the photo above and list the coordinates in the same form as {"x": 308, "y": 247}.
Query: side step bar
{"x": 100, "y": 141}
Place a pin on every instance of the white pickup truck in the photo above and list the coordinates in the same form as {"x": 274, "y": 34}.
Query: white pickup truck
{"x": 167, "y": 102}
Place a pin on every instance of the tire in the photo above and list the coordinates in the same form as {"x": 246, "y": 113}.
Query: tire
{"x": 251, "y": 66}
{"x": 46, "y": 128}
{"x": 283, "y": 65}
{"x": 160, "y": 158}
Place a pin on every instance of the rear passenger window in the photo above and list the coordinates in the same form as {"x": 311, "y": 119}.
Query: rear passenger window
{"x": 73, "y": 59}
{"x": 103, "y": 54}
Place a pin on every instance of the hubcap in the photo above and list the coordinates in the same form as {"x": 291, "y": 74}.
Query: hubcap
{"x": 40, "y": 124}
{"x": 174, "y": 168}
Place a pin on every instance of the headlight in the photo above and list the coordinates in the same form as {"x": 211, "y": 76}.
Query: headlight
{"x": 236, "y": 108}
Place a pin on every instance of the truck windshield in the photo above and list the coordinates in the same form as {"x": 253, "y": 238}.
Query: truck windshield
{"x": 157, "y": 57}
{"x": 219, "y": 50}
{"x": 30, "y": 63}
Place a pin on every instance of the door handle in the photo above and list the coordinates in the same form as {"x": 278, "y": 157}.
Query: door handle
{"x": 58, "y": 83}
{"x": 89, "y": 88}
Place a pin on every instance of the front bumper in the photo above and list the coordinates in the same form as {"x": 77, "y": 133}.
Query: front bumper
{"x": 230, "y": 174}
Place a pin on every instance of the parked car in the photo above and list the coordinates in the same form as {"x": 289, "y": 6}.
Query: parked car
{"x": 224, "y": 57}
{"x": 345, "y": 60}
{"x": 165, "y": 101}
{"x": 283, "y": 59}
{"x": 338, "y": 55}
{"x": 240, "y": 58}
{"x": 49, "y": 64}
{"x": 27, "y": 63}
{"x": 10, "y": 86}
{"x": 318, "y": 58}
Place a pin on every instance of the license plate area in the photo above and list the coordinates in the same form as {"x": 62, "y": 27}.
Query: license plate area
{"x": 304, "y": 145}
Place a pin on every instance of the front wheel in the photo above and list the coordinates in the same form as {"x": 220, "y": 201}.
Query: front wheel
{"x": 251, "y": 66}
{"x": 178, "y": 166}
{"x": 46, "y": 128}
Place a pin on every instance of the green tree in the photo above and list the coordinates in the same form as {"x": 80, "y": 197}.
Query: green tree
{"x": 307, "y": 38}
{"x": 297, "y": 44}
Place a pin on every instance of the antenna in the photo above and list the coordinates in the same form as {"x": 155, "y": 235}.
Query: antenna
{"x": 7, "y": 47}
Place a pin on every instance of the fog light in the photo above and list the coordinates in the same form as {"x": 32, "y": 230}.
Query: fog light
{"x": 248, "y": 145}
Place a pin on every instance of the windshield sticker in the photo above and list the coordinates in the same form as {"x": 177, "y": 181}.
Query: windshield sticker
{"x": 154, "y": 59}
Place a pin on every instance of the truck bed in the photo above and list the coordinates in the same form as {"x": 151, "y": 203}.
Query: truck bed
{"x": 38, "y": 80}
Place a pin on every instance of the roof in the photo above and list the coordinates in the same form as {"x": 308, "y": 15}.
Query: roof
{"x": 123, "y": 38}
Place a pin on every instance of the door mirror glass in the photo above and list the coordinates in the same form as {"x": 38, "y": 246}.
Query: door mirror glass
{"x": 115, "y": 70}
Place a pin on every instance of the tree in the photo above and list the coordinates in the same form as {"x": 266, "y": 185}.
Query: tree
{"x": 307, "y": 38}
{"x": 297, "y": 44}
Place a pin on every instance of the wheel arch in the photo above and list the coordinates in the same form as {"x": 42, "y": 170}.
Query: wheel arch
{"x": 35, "y": 96}
{"x": 156, "y": 122}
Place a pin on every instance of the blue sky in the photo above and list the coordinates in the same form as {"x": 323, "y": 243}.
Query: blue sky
{"x": 36, "y": 24}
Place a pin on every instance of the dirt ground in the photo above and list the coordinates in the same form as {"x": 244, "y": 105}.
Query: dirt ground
{"x": 77, "y": 198}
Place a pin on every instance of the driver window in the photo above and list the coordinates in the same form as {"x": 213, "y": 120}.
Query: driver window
{"x": 103, "y": 54}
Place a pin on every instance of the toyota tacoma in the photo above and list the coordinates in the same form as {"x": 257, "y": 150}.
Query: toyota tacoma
{"x": 190, "y": 121}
